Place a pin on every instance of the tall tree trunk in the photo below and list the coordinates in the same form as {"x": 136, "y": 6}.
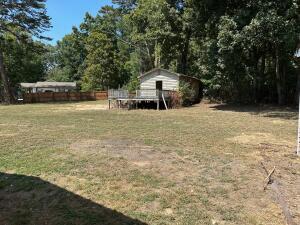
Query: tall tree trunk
{"x": 157, "y": 55}
{"x": 279, "y": 79}
{"x": 256, "y": 76}
{"x": 149, "y": 61}
{"x": 298, "y": 83}
{"x": 256, "y": 80}
{"x": 183, "y": 65}
{"x": 262, "y": 77}
{"x": 7, "y": 95}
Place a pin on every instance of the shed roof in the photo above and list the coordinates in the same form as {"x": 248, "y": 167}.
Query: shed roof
{"x": 48, "y": 84}
{"x": 160, "y": 69}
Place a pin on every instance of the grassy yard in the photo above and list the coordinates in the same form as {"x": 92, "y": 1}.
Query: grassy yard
{"x": 77, "y": 163}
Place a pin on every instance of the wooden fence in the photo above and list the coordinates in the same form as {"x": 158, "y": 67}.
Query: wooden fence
{"x": 64, "y": 96}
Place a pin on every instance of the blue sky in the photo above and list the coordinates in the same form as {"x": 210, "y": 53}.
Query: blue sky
{"x": 68, "y": 13}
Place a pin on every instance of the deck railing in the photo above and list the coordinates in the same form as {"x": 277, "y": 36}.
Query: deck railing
{"x": 147, "y": 94}
{"x": 150, "y": 94}
{"x": 118, "y": 94}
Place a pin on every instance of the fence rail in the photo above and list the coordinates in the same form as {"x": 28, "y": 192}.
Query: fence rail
{"x": 64, "y": 96}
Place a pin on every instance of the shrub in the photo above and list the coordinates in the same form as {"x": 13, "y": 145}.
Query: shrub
{"x": 186, "y": 93}
{"x": 133, "y": 84}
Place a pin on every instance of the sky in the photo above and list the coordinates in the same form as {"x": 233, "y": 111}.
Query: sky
{"x": 68, "y": 13}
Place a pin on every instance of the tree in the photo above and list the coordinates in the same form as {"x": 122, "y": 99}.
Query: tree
{"x": 125, "y": 5}
{"x": 101, "y": 72}
{"x": 70, "y": 56}
{"x": 152, "y": 32}
{"x": 29, "y": 58}
{"x": 107, "y": 48}
{"x": 70, "y": 53}
{"x": 20, "y": 18}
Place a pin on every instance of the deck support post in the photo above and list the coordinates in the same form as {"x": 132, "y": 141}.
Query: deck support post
{"x": 157, "y": 104}
{"x": 164, "y": 100}
{"x": 109, "y": 104}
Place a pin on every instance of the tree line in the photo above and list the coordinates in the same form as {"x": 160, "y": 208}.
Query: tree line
{"x": 242, "y": 50}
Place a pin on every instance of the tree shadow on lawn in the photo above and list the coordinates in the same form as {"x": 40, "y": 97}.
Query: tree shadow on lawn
{"x": 30, "y": 200}
{"x": 265, "y": 111}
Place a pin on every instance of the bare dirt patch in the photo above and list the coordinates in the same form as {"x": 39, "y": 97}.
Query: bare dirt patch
{"x": 146, "y": 158}
{"x": 82, "y": 107}
{"x": 280, "y": 122}
{"x": 2, "y": 134}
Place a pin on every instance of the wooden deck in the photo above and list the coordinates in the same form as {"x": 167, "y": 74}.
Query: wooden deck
{"x": 124, "y": 97}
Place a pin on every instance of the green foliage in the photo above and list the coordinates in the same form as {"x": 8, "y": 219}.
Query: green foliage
{"x": 102, "y": 63}
{"x": 247, "y": 49}
{"x": 133, "y": 68}
{"x": 27, "y": 16}
{"x": 186, "y": 93}
{"x": 133, "y": 84}
{"x": 28, "y": 57}
{"x": 68, "y": 58}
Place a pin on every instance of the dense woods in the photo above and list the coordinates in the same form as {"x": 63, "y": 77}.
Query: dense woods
{"x": 242, "y": 50}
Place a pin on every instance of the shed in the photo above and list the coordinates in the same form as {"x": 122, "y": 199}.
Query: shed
{"x": 162, "y": 79}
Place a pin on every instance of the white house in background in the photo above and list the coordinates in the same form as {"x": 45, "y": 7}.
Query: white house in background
{"x": 49, "y": 87}
{"x": 161, "y": 79}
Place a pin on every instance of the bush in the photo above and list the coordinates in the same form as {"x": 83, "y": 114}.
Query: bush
{"x": 133, "y": 84}
{"x": 175, "y": 100}
{"x": 186, "y": 93}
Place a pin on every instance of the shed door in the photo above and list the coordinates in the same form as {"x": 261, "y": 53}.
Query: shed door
{"x": 159, "y": 85}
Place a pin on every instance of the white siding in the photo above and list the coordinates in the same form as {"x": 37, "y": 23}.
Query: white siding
{"x": 170, "y": 81}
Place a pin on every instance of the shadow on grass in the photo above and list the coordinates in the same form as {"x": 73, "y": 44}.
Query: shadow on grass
{"x": 265, "y": 111}
{"x": 30, "y": 200}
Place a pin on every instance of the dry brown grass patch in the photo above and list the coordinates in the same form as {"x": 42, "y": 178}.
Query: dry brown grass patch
{"x": 258, "y": 138}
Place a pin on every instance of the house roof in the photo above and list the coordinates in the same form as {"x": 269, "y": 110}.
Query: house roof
{"x": 27, "y": 85}
{"x": 160, "y": 69}
{"x": 48, "y": 85}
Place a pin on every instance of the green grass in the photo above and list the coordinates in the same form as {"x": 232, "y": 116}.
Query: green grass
{"x": 76, "y": 163}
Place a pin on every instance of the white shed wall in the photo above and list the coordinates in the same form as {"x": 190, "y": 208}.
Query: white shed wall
{"x": 170, "y": 81}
